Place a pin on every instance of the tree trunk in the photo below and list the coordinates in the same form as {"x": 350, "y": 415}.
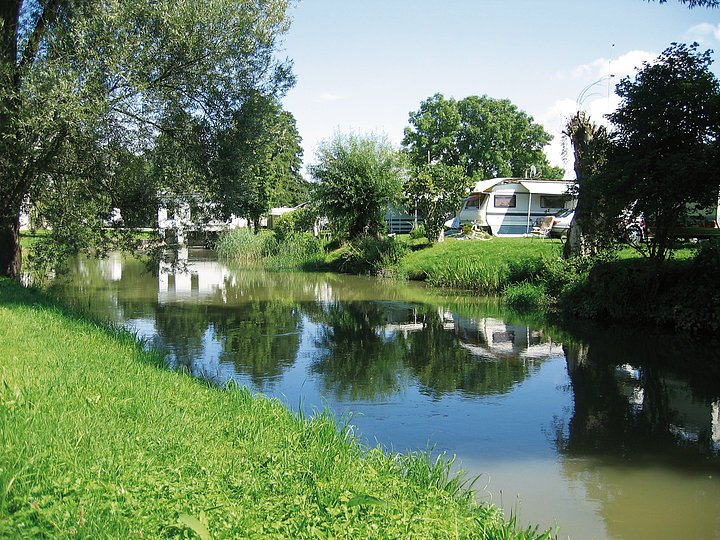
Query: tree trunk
{"x": 11, "y": 193}
{"x": 10, "y": 255}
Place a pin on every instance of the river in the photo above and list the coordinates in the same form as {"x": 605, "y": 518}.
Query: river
{"x": 605, "y": 433}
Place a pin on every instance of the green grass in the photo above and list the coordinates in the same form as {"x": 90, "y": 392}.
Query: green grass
{"x": 474, "y": 264}
{"x": 98, "y": 440}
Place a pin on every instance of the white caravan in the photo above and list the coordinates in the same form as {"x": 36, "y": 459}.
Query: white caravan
{"x": 511, "y": 206}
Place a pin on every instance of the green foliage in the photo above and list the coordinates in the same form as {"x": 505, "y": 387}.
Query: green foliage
{"x": 488, "y": 138}
{"x": 683, "y": 294}
{"x": 486, "y": 278}
{"x": 243, "y": 244}
{"x": 437, "y": 192}
{"x": 372, "y": 256}
{"x": 258, "y": 159}
{"x": 86, "y": 86}
{"x": 525, "y": 269}
{"x": 665, "y": 155}
{"x": 300, "y": 220}
{"x": 525, "y": 296}
{"x": 357, "y": 178}
{"x": 126, "y": 454}
{"x": 418, "y": 232}
{"x": 496, "y": 253}
{"x": 296, "y": 251}
{"x": 292, "y": 250}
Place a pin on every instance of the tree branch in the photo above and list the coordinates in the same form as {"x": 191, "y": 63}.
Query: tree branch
{"x": 47, "y": 17}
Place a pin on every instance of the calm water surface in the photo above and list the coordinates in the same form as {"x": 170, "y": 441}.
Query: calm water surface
{"x": 606, "y": 434}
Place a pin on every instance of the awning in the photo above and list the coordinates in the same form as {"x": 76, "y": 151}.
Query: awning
{"x": 547, "y": 187}
{"x": 485, "y": 185}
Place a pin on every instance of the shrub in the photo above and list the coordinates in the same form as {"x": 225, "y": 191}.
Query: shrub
{"x": 526, "y": 296}
{"x": 296, "y": 250}
{"x": 529, "y": 269}
{"x": 418, "y": 232}
{"x": 373, "y": 256}
{"x": 300, "y": 220}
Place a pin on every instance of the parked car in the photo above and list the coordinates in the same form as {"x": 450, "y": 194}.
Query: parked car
{"x": 561, "y": 223}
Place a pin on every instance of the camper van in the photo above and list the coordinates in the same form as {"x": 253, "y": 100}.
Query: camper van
{"x": 511, "y": 206}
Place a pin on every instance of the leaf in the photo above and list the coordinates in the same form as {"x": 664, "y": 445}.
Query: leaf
{"x": 195, "y": 525}
{"x": 367, "y": 500}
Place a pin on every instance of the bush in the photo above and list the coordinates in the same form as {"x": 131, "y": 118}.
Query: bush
{"x": 300, "y": 220}
{"x": 372, "y": 256}
{"x": 418, "y": 232}
{"x": 526, "y": 296}
{"x": 529, "y": 269}
{"x": 296, "y": 250}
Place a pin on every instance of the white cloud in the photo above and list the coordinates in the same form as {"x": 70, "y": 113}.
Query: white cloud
{"x": 326, "y": 97}
{"x": 624, "y": 65}
{"x": 704, "y": 33}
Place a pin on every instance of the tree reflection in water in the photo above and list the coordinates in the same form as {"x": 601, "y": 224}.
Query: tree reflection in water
{"x": 371, "y": 350}
{"x": 640, "y": 396}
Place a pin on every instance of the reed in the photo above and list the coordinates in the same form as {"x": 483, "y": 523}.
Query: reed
{"x": 242, "y": 244}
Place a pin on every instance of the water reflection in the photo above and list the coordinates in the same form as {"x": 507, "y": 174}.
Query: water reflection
{"x": 593, "y": 429}
{"x": 634, "y": 397}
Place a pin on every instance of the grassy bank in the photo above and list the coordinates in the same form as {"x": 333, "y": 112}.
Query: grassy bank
{"x": 98, "y": 440}
{"x": 474, "y": 264}
{"x": 530, "y": 274}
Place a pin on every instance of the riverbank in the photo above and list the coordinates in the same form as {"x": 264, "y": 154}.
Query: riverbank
{"x": 99, "y": 440}
{"x": 619, "y": 287}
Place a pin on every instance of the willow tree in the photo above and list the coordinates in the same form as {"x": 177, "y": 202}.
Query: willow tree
{"x": 589, "y": 142}
{"x": 356, "y": 178}
{"x": 81, "y": 80}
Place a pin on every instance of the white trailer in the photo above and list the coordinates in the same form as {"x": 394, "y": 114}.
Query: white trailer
{"x": 511, "y": 206}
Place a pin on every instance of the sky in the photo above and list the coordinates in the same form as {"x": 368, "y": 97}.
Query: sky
{"x": 363, "y": 66}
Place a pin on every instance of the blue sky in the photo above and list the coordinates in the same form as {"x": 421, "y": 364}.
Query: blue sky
{"x": 363, "y": 66}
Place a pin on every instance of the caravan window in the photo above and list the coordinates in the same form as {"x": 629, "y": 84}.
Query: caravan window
{"x": 552, "y": 201}
{"x": 505, "y": 201}
{"x": 473, "y": 201}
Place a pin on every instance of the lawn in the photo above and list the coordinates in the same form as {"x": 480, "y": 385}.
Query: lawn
{"x": 495, "y": 252}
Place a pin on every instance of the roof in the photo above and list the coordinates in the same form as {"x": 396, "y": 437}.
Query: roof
{"x": 546, "y": 187}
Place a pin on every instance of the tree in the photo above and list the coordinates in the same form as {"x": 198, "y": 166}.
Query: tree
{"x": 665, "y": 152}
{"x": 487, "y": 137}
{"x": 437, "y": 191}
{"x": 357, "y": 177}
{"x": 697, "y": 3}
{"x": 79, "y": 78}
{"x": 588, "y": 232}
{"x": 259, "y": 159}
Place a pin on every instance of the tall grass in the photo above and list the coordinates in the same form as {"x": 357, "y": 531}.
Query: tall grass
{"x": 97, "y": 441}
{"x": 300, "y": 251}
{"x": 488, "y": 278}
{"x": 242, "y": 244}
{"x": 295, "y": 251}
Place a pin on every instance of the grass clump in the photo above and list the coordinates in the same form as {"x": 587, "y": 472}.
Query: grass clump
{"x": 295, "y": 251}
{"x": 96, "y": 441}
{"x": 526, "y": 296}
{"x": 242, "y": 244}
{"x": 372, "y": 256}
